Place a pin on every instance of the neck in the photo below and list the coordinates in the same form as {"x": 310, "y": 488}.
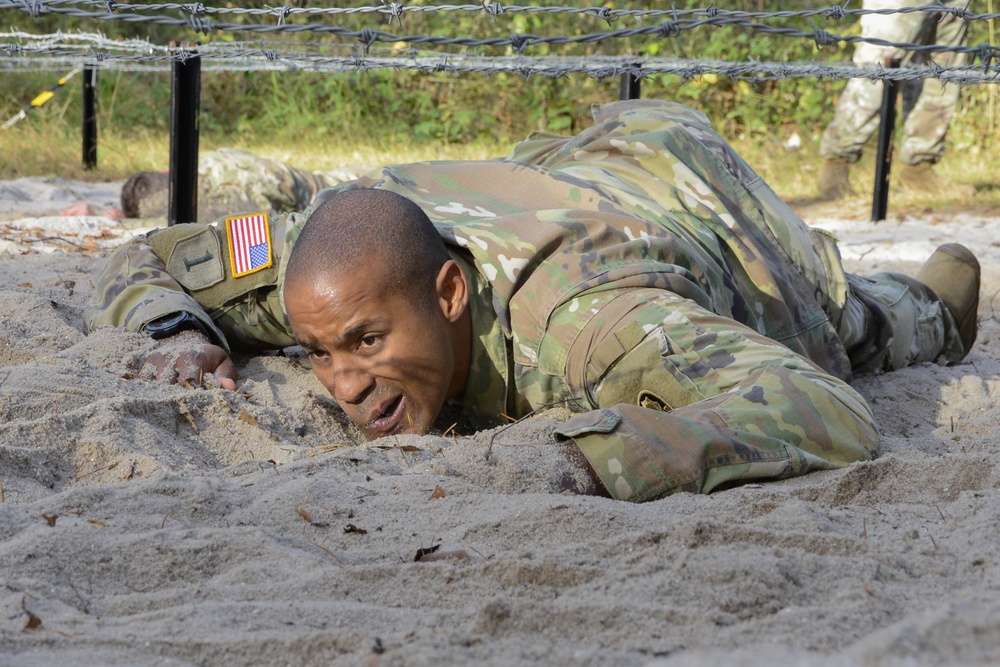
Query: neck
{"x": 462, "y": 335}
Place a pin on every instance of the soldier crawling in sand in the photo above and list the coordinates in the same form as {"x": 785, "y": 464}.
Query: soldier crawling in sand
{"x": 639, "y": 274}
{"x": 230, "y": 179}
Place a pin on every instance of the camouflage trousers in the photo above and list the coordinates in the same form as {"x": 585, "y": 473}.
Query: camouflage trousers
{"x": 765, "y": 411}
{"x": 926, "y": 124}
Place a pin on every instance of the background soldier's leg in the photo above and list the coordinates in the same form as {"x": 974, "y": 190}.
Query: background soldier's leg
{"x": 854, "y": 120}
{"x": 857, "y": 112}
{"x": 927, "y": 124}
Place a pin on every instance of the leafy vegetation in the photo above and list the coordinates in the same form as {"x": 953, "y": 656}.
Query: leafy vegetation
{"x": 385, "y": 116}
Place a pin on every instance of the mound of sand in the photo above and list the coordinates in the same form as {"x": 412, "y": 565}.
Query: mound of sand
{"x": 142, "y": 523}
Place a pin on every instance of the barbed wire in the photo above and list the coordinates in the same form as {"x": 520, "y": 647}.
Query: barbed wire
{"x": 551, "y": 66}
{"x": 517, "y": 42}
{"x": 394, "y": 10}
{"x": 58, "y": 51}
{"x": 362, "y": 49}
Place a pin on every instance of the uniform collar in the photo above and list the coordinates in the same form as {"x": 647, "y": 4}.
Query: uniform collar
{"x": 485, "y": 398}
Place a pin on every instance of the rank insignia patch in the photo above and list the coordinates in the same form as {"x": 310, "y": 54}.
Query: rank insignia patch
{"x": 249, "y": 244}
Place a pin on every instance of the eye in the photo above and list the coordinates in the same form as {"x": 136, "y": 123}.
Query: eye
{"x": 317, "y": 354}
{"x": 371, "y": 340}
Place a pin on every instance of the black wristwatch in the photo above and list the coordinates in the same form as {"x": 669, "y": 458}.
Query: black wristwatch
{"x": 173, "y": 324}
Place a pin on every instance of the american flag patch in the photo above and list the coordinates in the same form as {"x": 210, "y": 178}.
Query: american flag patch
{"x": 249, "y": 244}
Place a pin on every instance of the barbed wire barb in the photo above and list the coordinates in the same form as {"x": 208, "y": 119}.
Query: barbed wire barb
{"x": 838, "y": 12}
{"x": 395, "y": 12}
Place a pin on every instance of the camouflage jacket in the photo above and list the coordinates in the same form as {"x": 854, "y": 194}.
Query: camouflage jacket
{"x": 566, "y": 240}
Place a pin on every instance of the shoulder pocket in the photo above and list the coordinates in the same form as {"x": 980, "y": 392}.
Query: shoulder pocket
{"x": 195, "y": 258}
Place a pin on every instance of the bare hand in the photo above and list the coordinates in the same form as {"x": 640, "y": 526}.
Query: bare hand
{"x": 188, "y": 356}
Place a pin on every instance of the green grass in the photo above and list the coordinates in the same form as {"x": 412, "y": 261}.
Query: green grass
{"x": 46, "y": 147}
{"x": 46, "y": 144}
{"x": 793, "y": 176}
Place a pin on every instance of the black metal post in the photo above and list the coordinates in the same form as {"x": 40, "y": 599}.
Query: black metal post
{"x": 89, "y": 117}
{"x": 630, "y": 87}
{"x": 883, "y": 160}
{"x": 185, "y": 104}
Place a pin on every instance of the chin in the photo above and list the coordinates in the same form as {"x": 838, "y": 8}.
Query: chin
{"x": 405, "y": 426}
{"x": 414, "y": 428}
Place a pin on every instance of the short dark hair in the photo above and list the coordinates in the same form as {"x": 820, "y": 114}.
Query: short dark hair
{"x": 142, "y": 185}
{"x": 353, "y": 225}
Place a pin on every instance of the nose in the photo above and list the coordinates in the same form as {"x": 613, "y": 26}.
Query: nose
{"x": 349, "y": 383}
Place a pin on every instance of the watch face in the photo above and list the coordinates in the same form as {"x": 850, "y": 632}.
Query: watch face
{"x": 170, "y": 325}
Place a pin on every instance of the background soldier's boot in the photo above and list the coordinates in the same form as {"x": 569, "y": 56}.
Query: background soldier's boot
{"x": 953, "y": 273}
{"x": 921, "y": 177}
{"x": 833, "y": 182}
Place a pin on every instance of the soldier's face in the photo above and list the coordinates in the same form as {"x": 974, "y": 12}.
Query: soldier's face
{"x": 390, "y": 358}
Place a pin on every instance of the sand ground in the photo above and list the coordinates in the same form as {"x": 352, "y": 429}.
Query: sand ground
{"x": 148, "y": 524}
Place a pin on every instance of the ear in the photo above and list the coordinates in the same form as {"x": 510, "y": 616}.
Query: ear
{"x": 452, "y": 291}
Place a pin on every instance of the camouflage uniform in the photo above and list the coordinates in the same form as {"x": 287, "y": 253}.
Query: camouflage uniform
{"x": 238, "y": 179}
{"x": 639, "y": 273}
{"x": 230, "y": 179}
{"x": 857, "y": 114}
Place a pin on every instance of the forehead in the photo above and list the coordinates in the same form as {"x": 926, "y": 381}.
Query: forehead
{"x": 337, "y": 288}
{"x": 316, "y": 270}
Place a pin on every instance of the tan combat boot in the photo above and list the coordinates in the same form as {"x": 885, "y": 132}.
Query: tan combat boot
{"x": 921, "y": 177}
{"x": 833, "y": 182}
{"x": 953, "y": 273}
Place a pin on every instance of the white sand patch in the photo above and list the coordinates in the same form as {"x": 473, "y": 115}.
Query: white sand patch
{"x": 48, "y": 195}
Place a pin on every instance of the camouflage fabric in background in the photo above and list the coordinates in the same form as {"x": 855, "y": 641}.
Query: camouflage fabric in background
{"x": 639, "y": 273}
{"x": 232, "y": 181}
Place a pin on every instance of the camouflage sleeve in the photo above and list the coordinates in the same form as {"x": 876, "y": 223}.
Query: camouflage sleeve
{"x": 134, "y": 288}
{"x": 186, "y": 268}
{"x": 687, "y": 400}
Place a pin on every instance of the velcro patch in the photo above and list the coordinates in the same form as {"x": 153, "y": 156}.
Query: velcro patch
{"x": 196, "y": 261}
{"x": 250, "y": 248}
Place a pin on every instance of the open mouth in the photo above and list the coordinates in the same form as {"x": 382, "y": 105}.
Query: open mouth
{"x": 389, "y": 418}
